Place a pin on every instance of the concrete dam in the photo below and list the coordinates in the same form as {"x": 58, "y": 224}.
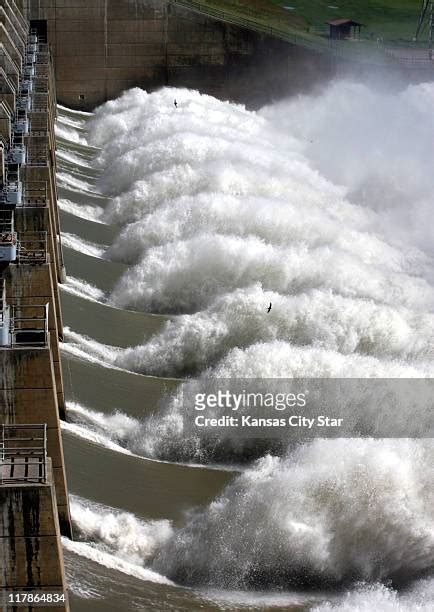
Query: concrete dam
{"x": 33, "y": 492}
{"x": 181, "y": 206}
{"x": 102, "y": 48}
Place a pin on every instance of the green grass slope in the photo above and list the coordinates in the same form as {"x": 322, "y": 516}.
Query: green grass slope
{"x": 392, "y": 19}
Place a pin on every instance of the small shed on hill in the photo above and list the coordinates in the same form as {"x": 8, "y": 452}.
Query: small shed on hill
{"x": 344, "y": 28}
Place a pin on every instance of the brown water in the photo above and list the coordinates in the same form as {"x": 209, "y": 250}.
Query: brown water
{"x": 148, "y": 489}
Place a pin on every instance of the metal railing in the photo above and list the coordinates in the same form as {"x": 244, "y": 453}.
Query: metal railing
{"x": 43, "y": 57}
{"x": 38, "y": 122}
{"x": 37, "y": 153}
{"x": 35, "y": 194}
{"x": 3, "y": 306}
{"x": 4, "y": 316}
{"x": 39, "y": 102}
{"x": 399, "y": 56}
{"x": 32, "y": 248}
{"x": 23, "y": 454}
{"x": 40, "y": 84}
{"x": 255, "y": 24}
{"x": 38, "y": 128}
{"x": 28, "y": 325}
{"x": 42, "y": 70}
{"x": 7, "y": 233}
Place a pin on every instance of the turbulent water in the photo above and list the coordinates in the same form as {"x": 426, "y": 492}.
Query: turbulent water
{"x": 196, "y": 218}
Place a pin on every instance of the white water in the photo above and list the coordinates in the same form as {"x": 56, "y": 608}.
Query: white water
{"x": 68, "y": 180}
{"x": 83, "y": 246}
{"x": 383, "y": 158}
{"x": 332, "y": 512}
{"x": 86, "y": 349}
{"x": 84, "y": 211}
{"x": 222, "y": 211}
{"x": 77, "y": 286}
{"x": 359, "y": 510}
{"x": 119, "y": 532}
{"x": 371, "y": 598}
{"x": 73, "y": 158}
{"x": 345, "y": 331}
{"x": 115, "y": 539}
{"x": 85, "y": 432}
{"x": 110, "y": 431}
{"x": 66, "y": 130}
{"x": 317, "y": 318}
{"x": 187, "y": 275}
{"x": 113, "y": 561}
{"x": 65, "y": 111}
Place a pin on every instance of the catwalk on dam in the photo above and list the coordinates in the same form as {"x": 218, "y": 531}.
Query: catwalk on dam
{"x": 180, "y": 226}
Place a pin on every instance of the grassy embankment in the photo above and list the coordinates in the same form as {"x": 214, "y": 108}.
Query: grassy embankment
{"x": 393, "y": 20}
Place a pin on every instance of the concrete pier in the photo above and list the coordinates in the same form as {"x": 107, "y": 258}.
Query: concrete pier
{"x": 31, "y": 559}
{"x": 34, "y": 509}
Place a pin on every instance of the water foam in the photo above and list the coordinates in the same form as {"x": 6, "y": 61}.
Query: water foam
{"x": 109, "y": 430}
{"x": 66, "y": 130}
{"x": 273, "y": 219}
{"x": 84, "y": 211}
{"x": 113, "y": 562}
{"x": 83, "y": 246}
{"x": 73, "y": 158}
{"x": 335, "y": 512}
{"x": 72, "y": 182}
{"x": 89, "y": 435}
{"x": 118, "y": 532}
{"x": 205, "y": 216}
{"x": 79, "y": 287}
{"x": 190, "y": 343}
{"x": 220, "y": 209}
{"x": 65, "y": 110}
{"x": 118, "y": 540}
{"x": 87, "y": 349}
{"x": 187, "y": 275}
{"x": 378, "y": 597}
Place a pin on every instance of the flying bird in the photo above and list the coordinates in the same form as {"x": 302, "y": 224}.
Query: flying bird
{"x": 175, "y": 103}
{"x": 269, "y": 308}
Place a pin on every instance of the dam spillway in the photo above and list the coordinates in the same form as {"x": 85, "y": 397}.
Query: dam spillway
{"x": 212, "y": 191}
{"x": 179, "y": 225}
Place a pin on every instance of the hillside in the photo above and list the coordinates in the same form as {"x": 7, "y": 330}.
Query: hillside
{"x": 392, "y": 20}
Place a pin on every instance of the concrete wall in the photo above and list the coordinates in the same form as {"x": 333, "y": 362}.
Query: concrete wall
{"x": 30, "y": 549}
{"x": 102, "y": 47}
{"x": 33, "y": 512}
{"x": 28, "y": 284}
{"x": 27, "y": 395}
